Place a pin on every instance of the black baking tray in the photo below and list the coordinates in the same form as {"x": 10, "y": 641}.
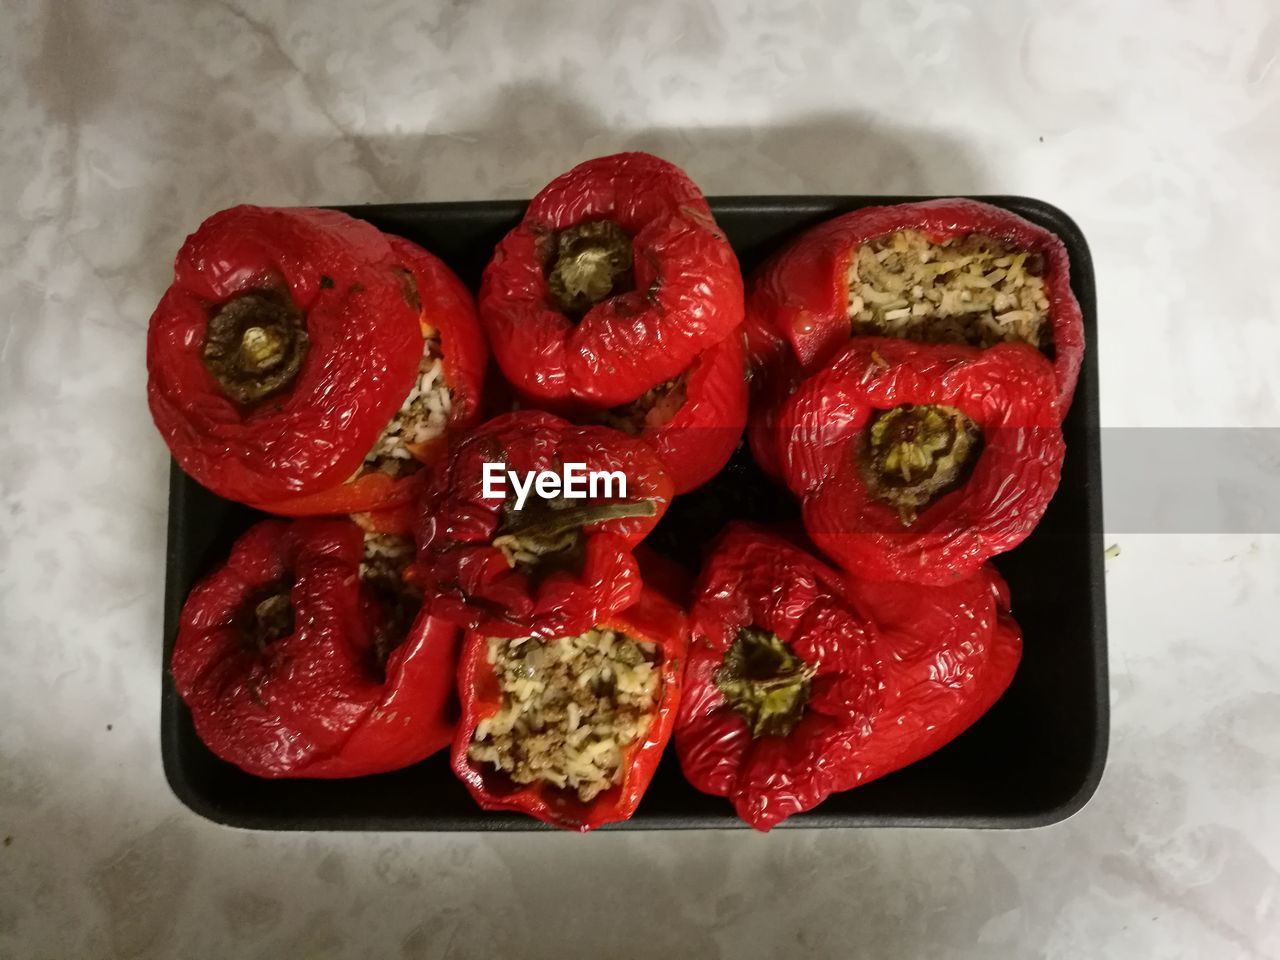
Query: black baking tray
{"x": 1035, "y": 758}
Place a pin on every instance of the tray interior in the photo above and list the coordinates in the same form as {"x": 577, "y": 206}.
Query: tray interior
{"x": 1035, "y": 758}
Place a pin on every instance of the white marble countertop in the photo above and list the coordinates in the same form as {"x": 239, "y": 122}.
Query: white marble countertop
{"x": 124, "y": 124}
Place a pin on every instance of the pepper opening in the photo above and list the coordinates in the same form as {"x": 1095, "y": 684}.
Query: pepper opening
{"x": 656, "y": 407}
{"x": 254, "y": 345}
{"x": 592, "y": 262}
{"x": 913, "y": 454}
{"x": 396, "y": 603}
{"x": 547, "y": 534}
{"x": 268, "y": 616}
{"x": 765, "y": 682}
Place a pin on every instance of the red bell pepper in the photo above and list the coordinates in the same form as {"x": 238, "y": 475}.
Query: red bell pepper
{"x": 798, "y": 303}
{"x": 300, "y": 657}
{"x": 282, "y": 348}
{"x": 783, "y": 679}
{"x": 447, "y": 317}
{"x": 953, "y": 652}
{"x": 801, "y": 683}
{"x": 650, "y": 620}
{"x": 557, "y": 565}
{"x": 919, "y": 461}
{"x": 695, "y": 420}
{"x": 615, "y": 279}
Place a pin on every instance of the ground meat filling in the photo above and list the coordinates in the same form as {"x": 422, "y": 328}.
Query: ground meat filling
{"x": 422, "y": 417}
{"x": 913, "y": 454}
{"x": 656, "y": 407}
{"x": 386, "y": 556}
{"x": 570, "y": 707}
{"x": 972, "y": 289}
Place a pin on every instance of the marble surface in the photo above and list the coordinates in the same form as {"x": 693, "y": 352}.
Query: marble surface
{"x": 124, "y": 123}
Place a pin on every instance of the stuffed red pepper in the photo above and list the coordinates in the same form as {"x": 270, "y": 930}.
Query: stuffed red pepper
{"x": 539, "y": 563}
{"x": 300, "y": 358}
{"x": 570, "y": 729}
{"x": 694, "y": 420}
{"x": 943, "y": 271}
{"x": 782, "y": 682}
{"x": 918, "y": 461}
{"x": 307, "y": 655}
{"x": 800, "y": 684}
{"x": 614, "y": 281}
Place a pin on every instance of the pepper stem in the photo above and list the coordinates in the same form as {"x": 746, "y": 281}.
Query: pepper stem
{"x": 913, "y": 454}
{"x": 765, "y": 682}
{"x": 544, "y": 530}
{"x": 271, "y": 618}
{"x": 254, "y": 345}
{"x": 592, "y": 262}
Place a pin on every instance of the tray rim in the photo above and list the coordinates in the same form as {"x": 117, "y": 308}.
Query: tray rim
{"x": 1083, "y": 275}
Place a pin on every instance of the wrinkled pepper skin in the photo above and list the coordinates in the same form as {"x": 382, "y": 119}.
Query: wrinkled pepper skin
{"x": 312, "y": 703}
{"x": 901, "y": 670}
{"x": 686, "y": 295}
{"x": 469, "y": 579}
{"x": 446, "y": 307}
{"x": 953, "y": 651}
{"x": 651, "y": 619}
{"x": 797, "y": 303}
{"x": 362, "y": 353}
{"x": 1008, "y": 390}
{"x": 696, "y": 443}
{"x": 755, "y": 579}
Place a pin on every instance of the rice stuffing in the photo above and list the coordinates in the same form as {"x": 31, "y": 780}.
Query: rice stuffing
{"x": 972, "y": 289}
{"x": 570, "y": 706}
{"x": 422, "y": 417}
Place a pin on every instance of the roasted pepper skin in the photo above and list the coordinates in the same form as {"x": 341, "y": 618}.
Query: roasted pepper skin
{"x": 470, "y": 581}
{"x": 901, "y": 670}
{"x": 755, "y": 579}
{"x": 651, "y": 619}
{"x": 953, "y": 651}
{"x": 797, "y": 303}
{"x": 696, "y": 443}
{"x": 313, "y": 702}
{"x": 364, "y": 346}
{"x": 1008, "y": 390}
{"x": 686, "y": 296}
{"x": 797, "y": 308}
{"x": 446, "y": 307}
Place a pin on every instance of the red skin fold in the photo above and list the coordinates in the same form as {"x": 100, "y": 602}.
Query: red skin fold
{"x": 797, "y": 304}
{"x": 753, "y": 578}
{"x": 313, "y": 703}
{"x": 469, "y": 579}
{"x": 687, "y": 293}
{"x": 1008, "y": 390}
{"x": 696, "y": 443}
{"x": 651, "y": 619}
{"x": 902, "y": 669}
{"x": 447, "y": 307}
{"x": 364, "y": 346}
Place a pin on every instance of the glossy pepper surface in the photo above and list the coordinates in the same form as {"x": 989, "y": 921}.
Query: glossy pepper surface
{"x": 651, "y": 619}
{"x": 917, "y": 461}
{"x": 556, "y": 566}
{"x": 783, "y": 679}
{"x": 281, "y": 349}
{"x": 695, "y": 420}
{"x": 446, "y": 312}
{"x": 798, "y": 303}
{"x": 291, "y": 666}
{"x": 616, "y": 278}
{"x": 952, "y": 652}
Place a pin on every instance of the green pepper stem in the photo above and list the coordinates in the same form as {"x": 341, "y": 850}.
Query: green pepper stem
{"x": 553, "y": 523}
